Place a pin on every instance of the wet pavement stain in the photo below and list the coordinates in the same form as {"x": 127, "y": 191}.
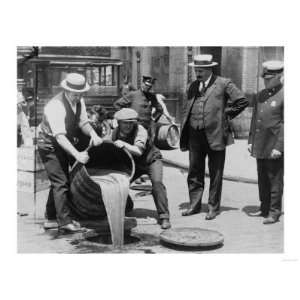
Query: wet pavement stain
{"x": 135, "y": 243}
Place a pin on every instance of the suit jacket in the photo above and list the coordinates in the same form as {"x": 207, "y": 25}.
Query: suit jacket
{"x": 222, "y": 101}
{"x": 266, "y": 130}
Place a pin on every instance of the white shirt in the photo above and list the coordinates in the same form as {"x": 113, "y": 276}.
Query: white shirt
{"x": 206, "y": 83}
{"x": 55, "y": 113}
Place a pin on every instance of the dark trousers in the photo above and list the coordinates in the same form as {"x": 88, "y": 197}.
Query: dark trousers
{"x": 270, "y": 185}
{"x": 155, "y": 172}
{"x": 57, "y": 163}
{"x": 198, "y": 150}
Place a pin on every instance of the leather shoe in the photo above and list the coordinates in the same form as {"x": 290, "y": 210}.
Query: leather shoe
{"x": 257, "y": 213}
{"x": 270, "y": 220}
{"x": 165, "y": 224}
{"x": 211, "y": 215}
{"x": 50, "y": 224}
{"x": 190, "y": 212}
{"x": 70, "y": 228}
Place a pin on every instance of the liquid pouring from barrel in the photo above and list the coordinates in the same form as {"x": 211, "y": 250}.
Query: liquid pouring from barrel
{"x": 115, "y": 189}
{"x": 100, "y": 188}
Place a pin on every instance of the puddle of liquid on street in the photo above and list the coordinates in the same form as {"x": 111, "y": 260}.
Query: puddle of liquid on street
{"x": 133, "y": 243}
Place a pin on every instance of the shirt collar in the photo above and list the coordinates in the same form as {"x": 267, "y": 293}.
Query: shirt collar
{"x": 208, "y": 80}
{"x": 69, "y": 100}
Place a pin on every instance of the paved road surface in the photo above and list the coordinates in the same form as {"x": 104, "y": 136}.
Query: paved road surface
{"x": 242, "y": 234}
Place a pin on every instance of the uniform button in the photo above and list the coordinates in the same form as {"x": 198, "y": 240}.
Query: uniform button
{"x": 261, "y": 110}
{"x": 258, "y": 120}
{"x": 257, "y": 130}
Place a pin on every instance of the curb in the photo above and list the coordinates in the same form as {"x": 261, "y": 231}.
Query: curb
{"x": 185, "y": 167}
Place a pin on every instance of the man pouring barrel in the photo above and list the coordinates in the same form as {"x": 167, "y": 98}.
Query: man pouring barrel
{"x": 64, "y": 117}
{"x": 148, "y": 159}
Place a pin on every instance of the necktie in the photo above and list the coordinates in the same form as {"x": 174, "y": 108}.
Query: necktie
{"x": 202, "y": 88}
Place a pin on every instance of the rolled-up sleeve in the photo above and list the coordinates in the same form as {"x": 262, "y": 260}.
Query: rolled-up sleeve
{"x": 55, "y": 114}
{"x": 141, "y": 138}
{"x": 83, "y": 115}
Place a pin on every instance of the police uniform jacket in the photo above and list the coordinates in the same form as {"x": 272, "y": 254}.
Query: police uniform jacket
{"x": 266, "y": 131}
{"x": 222, "y": 101}
{"x": 142, "y": 103}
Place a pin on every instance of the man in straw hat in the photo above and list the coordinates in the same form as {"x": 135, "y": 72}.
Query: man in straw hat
{"x": 266, "y": 141}
{"x": 148, "y": 160}
{"x": 64, "y": 117}
{"x": 211, "y": 102}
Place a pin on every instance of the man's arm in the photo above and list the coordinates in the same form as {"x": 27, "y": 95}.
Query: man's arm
{"x": 140, "y": 141}
{"x": 236, "y": 100}
{"x": 88, "y": 130}
{"x": 159, "y": 110}
{"x": 86, "y": 127}
{"x": 279, "y": 144}
{"x": 133, "y": 149}
{"x": 160, "y": 99}
{"x": 63, "y": 141}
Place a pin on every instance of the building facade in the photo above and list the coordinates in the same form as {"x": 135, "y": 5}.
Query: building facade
{"x": 106, "y": 68}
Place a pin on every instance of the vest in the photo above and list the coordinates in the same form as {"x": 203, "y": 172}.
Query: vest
{"x": 46, "y": 137}
{"x": 196, "y": 119}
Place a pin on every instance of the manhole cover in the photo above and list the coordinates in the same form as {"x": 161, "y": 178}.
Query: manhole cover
{"x": 192, "y": 237}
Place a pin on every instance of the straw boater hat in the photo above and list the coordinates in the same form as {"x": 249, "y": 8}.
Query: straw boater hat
{"x": 75, "y": 82}
{"x": 203, "y": 61}
{"x": 271, "y": 68}
{"x": 126, "y": 114}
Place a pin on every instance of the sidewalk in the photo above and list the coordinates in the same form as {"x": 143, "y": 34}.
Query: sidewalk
{"x": 239, "y": 165}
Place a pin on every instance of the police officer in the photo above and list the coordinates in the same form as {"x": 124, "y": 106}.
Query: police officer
{"x": 143, "y": 101}
{"x": 266, "y": 141}
{"x": 148, "y": 160}
{"x": 64, "y": 117}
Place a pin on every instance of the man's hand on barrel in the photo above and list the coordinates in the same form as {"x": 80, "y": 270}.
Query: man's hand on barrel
{"x": 119, "y": 144}
{"x": 96, "y": 140}
{"x": 82, "y": 157}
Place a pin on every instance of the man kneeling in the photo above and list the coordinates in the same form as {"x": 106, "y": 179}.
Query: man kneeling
{"x": 148, "y": 159}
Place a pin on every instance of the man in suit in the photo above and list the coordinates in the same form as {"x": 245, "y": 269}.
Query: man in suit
{"x": 266, "y": 141}
{"x": 211, "y": 102}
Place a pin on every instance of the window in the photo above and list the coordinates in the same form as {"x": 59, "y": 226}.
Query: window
{"x": 108, "y": 75}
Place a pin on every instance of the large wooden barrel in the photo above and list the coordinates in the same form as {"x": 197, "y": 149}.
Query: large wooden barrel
{"x": 166, "y": 136}
{"x": 86, "y": 197}
{"x": 241, "y": 124}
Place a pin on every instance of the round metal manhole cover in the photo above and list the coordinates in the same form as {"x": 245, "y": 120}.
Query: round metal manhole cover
{"x": 192, "y": 237}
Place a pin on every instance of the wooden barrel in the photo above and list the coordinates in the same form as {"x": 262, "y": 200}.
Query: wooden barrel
{"x": 241, "y": 124}
{"x": 167, "y": 136}
{"x": 86, "y": 197}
